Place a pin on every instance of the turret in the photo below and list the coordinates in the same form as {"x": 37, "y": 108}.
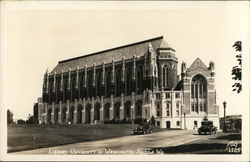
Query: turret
{"x": 183, "y": 69}
{"x": 211, "y": 68}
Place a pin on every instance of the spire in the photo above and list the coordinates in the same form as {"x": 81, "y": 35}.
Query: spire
{"x": 183, "y": 67}
{"x": 211, "y": 66}
{"x": 47, "y": 81}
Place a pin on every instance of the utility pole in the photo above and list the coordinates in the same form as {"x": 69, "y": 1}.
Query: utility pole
{"x": 185, "y": 121}
{"x": 224, "y": 124}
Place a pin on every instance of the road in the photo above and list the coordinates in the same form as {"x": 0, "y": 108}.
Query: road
{"x": 134, "y": 144}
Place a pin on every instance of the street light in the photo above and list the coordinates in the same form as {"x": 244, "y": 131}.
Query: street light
{"x": 224, "y": 126}
{"x": 184, "y": 114}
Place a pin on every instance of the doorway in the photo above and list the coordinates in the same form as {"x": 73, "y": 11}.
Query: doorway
{"x": 168, "y": 124}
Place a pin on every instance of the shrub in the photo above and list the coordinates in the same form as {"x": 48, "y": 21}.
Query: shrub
{"x": 152, "y": 120}
{"x": 20, "y": 121}
{"x": 138, "y": 121}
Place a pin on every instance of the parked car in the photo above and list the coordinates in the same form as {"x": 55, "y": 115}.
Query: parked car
{"x": 207, "y": 127}
{"x": 144, "y": 128}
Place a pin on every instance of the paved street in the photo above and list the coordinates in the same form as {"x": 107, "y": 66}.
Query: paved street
{"x": 134, "y": 144}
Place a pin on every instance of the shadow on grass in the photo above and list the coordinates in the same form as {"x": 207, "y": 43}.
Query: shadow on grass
{"x": 211, "y": 148}
{"x": 230, "y": 137}
{"x": 215, "y": 147}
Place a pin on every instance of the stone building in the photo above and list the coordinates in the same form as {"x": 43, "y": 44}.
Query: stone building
{"x": 126, "y": 83}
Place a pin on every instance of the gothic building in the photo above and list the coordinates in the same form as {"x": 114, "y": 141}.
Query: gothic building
{"x": 134, "y": 81}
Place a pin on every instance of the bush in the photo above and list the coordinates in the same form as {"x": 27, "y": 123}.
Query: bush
{"x": 138, "y": 121}
{"x": 123, "y": 121}
{"x": 20, "y": 121}
{"x": 126, "y": 121}
{"x": 152, "y": 120}
{"x": 30, "y": 120}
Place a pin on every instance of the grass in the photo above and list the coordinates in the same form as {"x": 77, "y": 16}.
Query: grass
{"x": 26, "y": 137}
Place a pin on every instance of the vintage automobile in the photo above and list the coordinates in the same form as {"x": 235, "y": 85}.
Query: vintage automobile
{"x": 144, "y": 128}
{"x": 207, "y": 127}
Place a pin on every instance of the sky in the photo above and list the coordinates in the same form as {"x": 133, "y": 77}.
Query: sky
{"x": 38, "y": 35}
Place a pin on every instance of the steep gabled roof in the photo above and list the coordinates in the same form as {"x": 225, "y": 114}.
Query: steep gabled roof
{"x": 197, "y": 63}
{"x": 128, "y": 51}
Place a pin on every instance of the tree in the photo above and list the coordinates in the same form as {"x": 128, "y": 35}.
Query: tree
{"x": 236, "y": 70}
{"x": 30, "y": 120}
{"x": 9, "y": 117}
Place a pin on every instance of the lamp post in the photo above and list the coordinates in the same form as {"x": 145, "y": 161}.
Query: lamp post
{"x": 224, "y": 125}
{"x": 184, "y": 115}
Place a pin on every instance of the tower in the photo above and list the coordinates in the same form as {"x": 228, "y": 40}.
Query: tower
{"x": 167, "y": 67}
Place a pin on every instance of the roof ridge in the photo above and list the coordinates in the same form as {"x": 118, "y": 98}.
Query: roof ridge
{"x": 111, "y": 49}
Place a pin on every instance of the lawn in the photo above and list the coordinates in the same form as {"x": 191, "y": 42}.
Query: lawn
{"x": 25, "y": 137}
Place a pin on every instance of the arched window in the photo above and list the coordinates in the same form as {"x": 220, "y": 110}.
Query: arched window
{"x": 51, "y": 91}
{"x": 177, "y": 123}
{"x": 192, "y": 90}
{"x": 97, "y": 111}
{"x": 139, "y": 79}
{"x": 138, "y": 109}
{"x": 106, "y": 111}
{"x": 118, "y": 83}
{"x": 199, "y": 93}
{"x": 178, "y": 109}
{"x": 65, "y": 90}
{"x": 98, "y": 84}
{"x": 81, "y": 85}
{"x": 89, "y": 84}
{"x": 128, "y": 81}
{"x": 168, "y": 110}
{"x": 73, "y": 90}
{"x": 127, "y": 110}
{"x": 58, "y": 93}
{"x": 108, "y": 84}
{"x": 165, "y": 76}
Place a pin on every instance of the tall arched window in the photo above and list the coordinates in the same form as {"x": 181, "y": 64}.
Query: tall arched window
{"x": 51, "y": 91}
{"x": 139, "y": 79}
{"x": 89, "y": 84}
{"x": 58, "y": 93}
{"x": 199, "y": 93}
{"x": 65, "y": 90}
{"x": 165, "y": 76}
{"x": 98, "y": 84}
{"x": 73, "y": 90}
{"x": 128, "y": 81}
{"x": 108, "y": 84}
{"x": 118, "y": 83}
{"x": 81, "y": 85}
